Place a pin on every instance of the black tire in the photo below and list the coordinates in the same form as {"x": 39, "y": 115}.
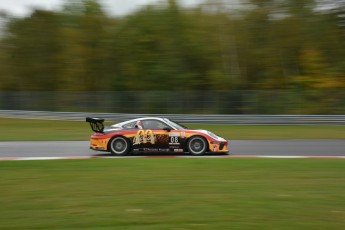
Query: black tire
{"x": 119, "y": 146}
{"x": 197, "y": 146}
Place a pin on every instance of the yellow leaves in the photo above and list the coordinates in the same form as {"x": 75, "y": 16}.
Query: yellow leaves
{"x": 330, "y": 82}
{"x": 312, "y": 62}
{"x": 319, "y": 82}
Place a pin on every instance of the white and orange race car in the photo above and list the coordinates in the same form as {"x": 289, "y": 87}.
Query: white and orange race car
{"x": 153, "y": 134}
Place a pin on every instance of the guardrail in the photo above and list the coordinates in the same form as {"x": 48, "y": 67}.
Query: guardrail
{"x": 185, "y": 118}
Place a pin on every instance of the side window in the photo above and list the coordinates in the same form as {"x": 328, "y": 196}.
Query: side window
{"x": 130, "y": 125}
{"x": 154, "y": 125}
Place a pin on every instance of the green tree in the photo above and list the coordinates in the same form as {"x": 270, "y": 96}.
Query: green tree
{"x": 151, "y": 48}
{"x": 267, "y": 44}
{"x": 83, "y": 47}
{"x": 30, "y": 49}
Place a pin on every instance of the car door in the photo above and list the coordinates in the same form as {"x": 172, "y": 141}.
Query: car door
{"x": 159, "y": 131}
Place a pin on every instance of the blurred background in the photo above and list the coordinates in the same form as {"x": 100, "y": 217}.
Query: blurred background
{"x": 169, "y": 56}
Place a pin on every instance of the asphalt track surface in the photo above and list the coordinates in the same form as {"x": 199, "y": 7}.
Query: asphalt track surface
{"x": 238, "y": 148}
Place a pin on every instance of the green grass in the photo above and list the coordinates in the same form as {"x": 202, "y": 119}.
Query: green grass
{"x": 42, "y": 130}
{"x": 173, "y": 193}
{"x": 273, "y": 132}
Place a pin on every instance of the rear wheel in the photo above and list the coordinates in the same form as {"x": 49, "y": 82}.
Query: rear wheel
{"x": 197, "y": 145}
{"x": 119, "y": 146}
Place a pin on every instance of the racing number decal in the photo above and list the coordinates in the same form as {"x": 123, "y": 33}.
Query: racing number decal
{"x": 144, "y": 136}
{"x": 174, "y": 139}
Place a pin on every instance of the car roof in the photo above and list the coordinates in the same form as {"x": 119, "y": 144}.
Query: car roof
{"x": 137, "y": 119}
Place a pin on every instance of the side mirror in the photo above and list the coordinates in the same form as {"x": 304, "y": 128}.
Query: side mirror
{"x": 167, "y": 129}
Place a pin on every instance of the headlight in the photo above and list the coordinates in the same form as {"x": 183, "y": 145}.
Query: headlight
{"x": 214, "y": 136}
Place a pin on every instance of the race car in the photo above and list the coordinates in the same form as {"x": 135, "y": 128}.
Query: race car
{"x": 153, "y": 134}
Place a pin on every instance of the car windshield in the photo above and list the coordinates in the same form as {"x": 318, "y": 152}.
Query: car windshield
{"x": 174, "y": 124}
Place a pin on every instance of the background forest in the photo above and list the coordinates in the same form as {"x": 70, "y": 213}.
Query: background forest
{"x": 260, "y": 56}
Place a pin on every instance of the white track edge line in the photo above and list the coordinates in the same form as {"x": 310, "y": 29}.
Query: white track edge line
{"x": 128, "y": 157}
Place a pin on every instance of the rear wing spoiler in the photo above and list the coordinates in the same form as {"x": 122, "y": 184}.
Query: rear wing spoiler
{"x": 96, "y": 124}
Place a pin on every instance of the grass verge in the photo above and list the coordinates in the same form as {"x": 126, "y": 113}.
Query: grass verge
{"x": 156, "y": 193}
{"x": 45, "y": 130}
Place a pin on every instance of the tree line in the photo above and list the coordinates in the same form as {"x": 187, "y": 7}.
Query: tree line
{"x": 262, "y": 44}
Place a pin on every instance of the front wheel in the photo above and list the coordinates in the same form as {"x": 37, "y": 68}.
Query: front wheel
{"x": 119, "y": 146}
{"x": 197, "y": 145}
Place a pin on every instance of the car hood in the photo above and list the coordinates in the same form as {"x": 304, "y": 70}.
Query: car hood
{"x": 210, "y": 134}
